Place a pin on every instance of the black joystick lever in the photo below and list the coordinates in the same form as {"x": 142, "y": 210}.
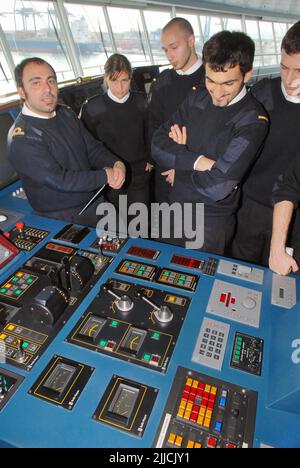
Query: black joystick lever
{"x": 163, "y": 313}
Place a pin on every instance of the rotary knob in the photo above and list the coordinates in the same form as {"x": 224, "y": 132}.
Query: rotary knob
{"x": 124, "y": 304}
{"x": 164, "y": 314}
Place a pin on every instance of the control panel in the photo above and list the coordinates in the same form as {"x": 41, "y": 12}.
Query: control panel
{"x": 26, "y": 237}
{"x": 131, "y": 343}
{"x": 203, "y": 412}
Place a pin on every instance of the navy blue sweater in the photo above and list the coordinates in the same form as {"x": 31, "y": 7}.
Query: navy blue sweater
{"x": 282, "y": 145}
{"x": 232, "y": 136}
{"x": 59, "y": 162}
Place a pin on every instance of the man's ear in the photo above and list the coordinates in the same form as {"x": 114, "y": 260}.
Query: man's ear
{"x": 21, "y": 92}
{"x": 192, "y": 40}
{"x": 248, "y": 75}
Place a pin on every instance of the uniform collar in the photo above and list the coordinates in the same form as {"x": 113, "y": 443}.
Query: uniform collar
{"x": 115, "y": 99}
{"x": 288, "y": 97}
{"x": 191, "y": 70}
{"x": 239, "y": 97}
{"x": 30, "y": 113}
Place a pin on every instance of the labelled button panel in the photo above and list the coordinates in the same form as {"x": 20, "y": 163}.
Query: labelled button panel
{"x": 137, "y": 270}
{"x": 178, "y": 279}
{"x": 239, "y": 271}
{"x": 211, "y": 344}
{"x": 235, "y": 303}
{"x": 247, "y": 353}
{"x": 204, "y": 412}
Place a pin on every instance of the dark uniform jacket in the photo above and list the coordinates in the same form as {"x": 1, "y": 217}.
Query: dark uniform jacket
{"x": 231, "y": 135}
{"x": 59, "y": 162}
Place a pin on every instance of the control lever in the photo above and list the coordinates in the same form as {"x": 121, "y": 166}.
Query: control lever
{"x": 20, "y": 356}
{"x": 124, "y": 303}
{"x": 163, "y": 313}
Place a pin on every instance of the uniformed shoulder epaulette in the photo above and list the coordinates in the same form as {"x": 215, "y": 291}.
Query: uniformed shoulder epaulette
{"x": 18, "y": 131}
{"x": 263, "y": 117}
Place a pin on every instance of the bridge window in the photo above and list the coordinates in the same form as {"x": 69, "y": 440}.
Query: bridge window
{"x": 91, "y": 37}
{"x": 155, "y": 21}
{"x": 33, "y": 29}
{"x": 129, "y": 35}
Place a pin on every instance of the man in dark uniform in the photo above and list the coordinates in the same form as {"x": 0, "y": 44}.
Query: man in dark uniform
{"x": 172, "y": 86}
{"x": 286, "y": 197}
{"x": 214, "y": 137}
{"x": 281, "y": 99}
{"x": 60, "y": 164}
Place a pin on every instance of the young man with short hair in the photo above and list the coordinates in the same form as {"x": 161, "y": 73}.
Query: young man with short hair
{"x": 214, "y": 138}
{"x": 281, "y": 99}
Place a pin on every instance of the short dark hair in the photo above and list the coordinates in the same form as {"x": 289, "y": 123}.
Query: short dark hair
{"x": 182, "y": 23}
{"x": 228, "y": 48}
{"x": 116, "y": 64}
{"x": 291, "y": 41}
{"x": 19, "y": 69}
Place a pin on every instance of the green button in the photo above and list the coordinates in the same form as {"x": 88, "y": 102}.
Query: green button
{"x": 180, "y": 282}
{"x": 128, "y": 264}
{"x": 182, "y": 277}
{"x": 156, "y": 336}
{"x": 3, "y": 291}
{"x": 25, "y": 345}
{"x": 140, "y": 272}
{"x": 147, "y": 357}
{"x": 239, "y": 339}
{"x": 18, "y": 292}
{"x": 238, "y": 348}
{"x": 29, "y": 281}
{"x": 102, "y": 344}
{"x": 15, "y": 279}
{"x": 143, "y": 268}
{"x": 166, "y": 273}
{"x": 115, "y": 324}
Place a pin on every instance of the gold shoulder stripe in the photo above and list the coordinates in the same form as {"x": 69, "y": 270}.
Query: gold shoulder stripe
{"x": 18, "y": 131}
{"x": 263, "y": 117}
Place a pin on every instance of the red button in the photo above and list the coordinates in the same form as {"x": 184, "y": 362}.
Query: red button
{"x": 20, "y": 226}
{"x": 230, "y": 446}
{"x": 223, "y": 298}
{"x": 211, "y": 442}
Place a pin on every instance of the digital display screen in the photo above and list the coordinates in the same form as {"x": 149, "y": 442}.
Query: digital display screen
{"x": 60, "y": 378}
{"x": 187, "y": 262}
{"x": 124, "y": 401}
{"x": 144, "y": 253}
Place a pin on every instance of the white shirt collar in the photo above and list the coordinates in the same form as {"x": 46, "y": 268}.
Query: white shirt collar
{"x": 288, "y": 97}
{"x": 191, "y": 70}
{"x": 114, "y": 98}
{"x": 30, "y": 113}
{"x": 239, "y": 97}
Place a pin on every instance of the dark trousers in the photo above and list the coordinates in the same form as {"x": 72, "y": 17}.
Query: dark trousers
{"x": 218, "y": 235}
{"x": 254, "y": 232}
{"x": 137, "y": 191}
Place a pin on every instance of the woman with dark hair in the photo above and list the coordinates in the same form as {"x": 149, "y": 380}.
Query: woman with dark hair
{"x": 118, "y": 118}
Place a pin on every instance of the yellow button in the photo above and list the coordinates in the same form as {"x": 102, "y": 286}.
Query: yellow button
{"x": 178, "y": 441}
{"x": 180, "y": 413}
{"x": 208, "y": 414}
{"x": 200, "y": 420}
{"x": 202, "y": 411}
{"x": 197, "y": 445}
{"x": 190, "y": 444}
{"x": 207, "y": 388}
{"x": 11, "y": 327}
{"x": 189, "y": 406}
{"x": 195, "y": 384}
{"x": 187, "y": 415}
{"x": 207, "y": 422}
{"x": 8, "y": 285}
{"x": 171, "y": 299}
{"x": 2, "y": 337}
{"x": 213, "y": 390}
{"x": 171, "y": 439}
{"x": 19, "y": 275}
{"x": 189, "y": 382}
{"x": 182, "y": 404}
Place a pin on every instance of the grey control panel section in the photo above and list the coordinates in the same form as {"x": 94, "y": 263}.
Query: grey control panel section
{"x": 283, "y": 291}
{"x": 235, "y": 303}
{"x": 211, "y": 344}
{"x": 243, "y": 272}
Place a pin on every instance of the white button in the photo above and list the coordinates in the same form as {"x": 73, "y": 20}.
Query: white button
{"x": 244, "y": 270}
{"x": 2, "y": 218}
{"x": 249, "y": 303}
